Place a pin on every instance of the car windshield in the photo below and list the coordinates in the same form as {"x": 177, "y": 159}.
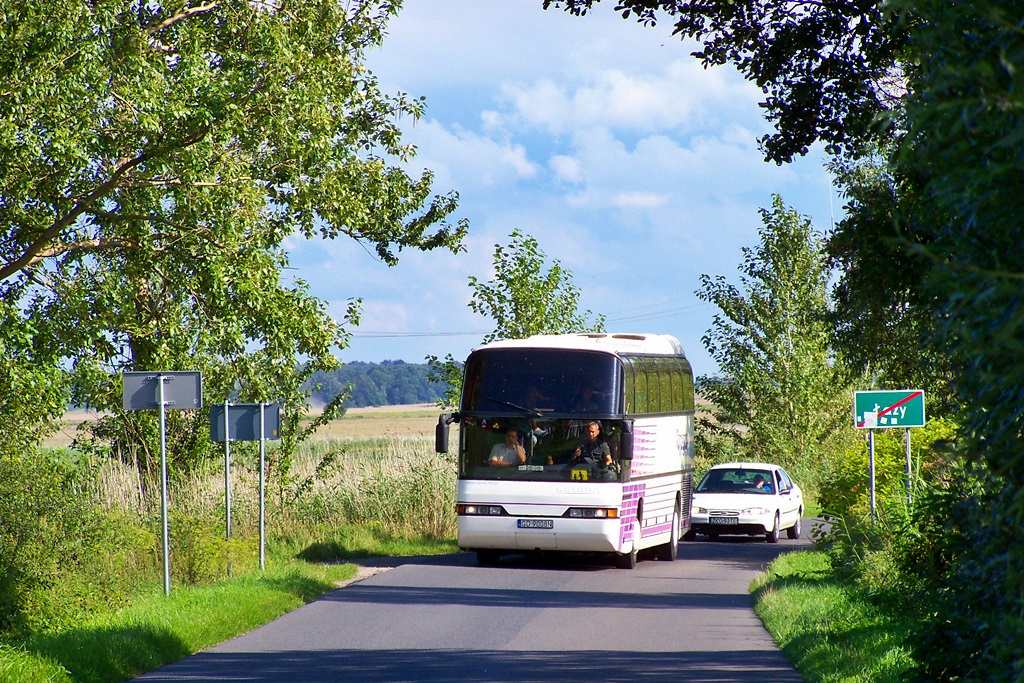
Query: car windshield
{"x": 736, "y": 480}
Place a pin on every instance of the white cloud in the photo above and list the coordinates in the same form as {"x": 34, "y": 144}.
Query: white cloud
{"x": 566, "y": 168}
{"x": 467, "y": 156}
{"x": 680, "y": 96}
{"x": 639, "y": 200}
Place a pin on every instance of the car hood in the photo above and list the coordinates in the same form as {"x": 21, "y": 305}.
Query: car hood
{"x": 733, "y": 501}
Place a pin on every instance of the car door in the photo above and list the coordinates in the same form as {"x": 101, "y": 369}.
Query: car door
{"x": 789, "y": 499}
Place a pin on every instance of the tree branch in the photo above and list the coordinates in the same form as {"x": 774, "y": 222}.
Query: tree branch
{"x": 33, "y": 250}
{"x": 180, "y": 16}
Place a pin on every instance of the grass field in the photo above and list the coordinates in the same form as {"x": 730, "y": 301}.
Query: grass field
{"x": 415, "y": 421}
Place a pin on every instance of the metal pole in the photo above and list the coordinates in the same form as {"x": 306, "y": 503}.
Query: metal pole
{"x": 263, "y": 509}
{"x": 227, "y": 473}
{"x": 227, "y": 480}
{"x": 163, "y": 484}
{"x": 871, "y": 470}
{"x": 910, "y": 499}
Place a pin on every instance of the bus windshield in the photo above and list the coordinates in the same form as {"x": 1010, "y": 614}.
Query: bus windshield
{"x": 540, "y": 449}
{"x": 545, "y": 381}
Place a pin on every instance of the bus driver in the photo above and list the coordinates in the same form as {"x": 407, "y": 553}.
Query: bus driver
{"x": 592, "y": 450}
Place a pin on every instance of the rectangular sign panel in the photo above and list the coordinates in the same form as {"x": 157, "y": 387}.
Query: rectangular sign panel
{"x": 244, "y": 421}
{"x": 900, "y": 408}
{"x": 182, "y": 390}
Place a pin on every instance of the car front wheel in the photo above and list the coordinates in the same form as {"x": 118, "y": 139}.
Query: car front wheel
{"x": 773, "y": 535}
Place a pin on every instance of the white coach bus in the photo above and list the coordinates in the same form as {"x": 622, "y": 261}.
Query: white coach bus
{"x": 536, "y": 474}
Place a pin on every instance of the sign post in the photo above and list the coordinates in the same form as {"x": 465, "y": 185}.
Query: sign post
{"x": 246, "y": 422}
{"x": 163, "y": 391}
{"x": 889, "y": 409}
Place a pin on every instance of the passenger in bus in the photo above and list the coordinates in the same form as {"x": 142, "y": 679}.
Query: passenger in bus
{"x": 508, "y": 454}
{"x": 590, "y": 400}
{"x": 592, "y": 450}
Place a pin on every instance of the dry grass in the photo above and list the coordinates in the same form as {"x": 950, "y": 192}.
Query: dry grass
{"x": 406, "y": 421}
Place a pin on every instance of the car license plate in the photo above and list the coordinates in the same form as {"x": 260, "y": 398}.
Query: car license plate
{"x": 723, "y": 520}
{"x": 536, "y": 523}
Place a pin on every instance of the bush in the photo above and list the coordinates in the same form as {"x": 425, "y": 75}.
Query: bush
{"x": 61, "y": 556}
{"x": 902, "y": 553}
{"x": 846, "y": 492}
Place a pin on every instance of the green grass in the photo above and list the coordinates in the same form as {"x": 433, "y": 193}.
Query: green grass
{"x": 352, "y": 542}
{"x": 830, "y": 631}
{"x": 157, "y": 629}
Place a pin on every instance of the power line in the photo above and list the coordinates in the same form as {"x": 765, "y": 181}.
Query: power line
{"x": 653, "y": 315}
{"x": 656, "y": 315}
{"x": 391, "y": 335}
{"x": 660, "y": 303}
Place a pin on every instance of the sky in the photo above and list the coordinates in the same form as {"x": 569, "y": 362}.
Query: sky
{"x": 630, "y": 163}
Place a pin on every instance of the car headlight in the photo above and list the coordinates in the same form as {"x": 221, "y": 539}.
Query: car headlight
{"x": 702, "y": 511}
{"x": 755, "y": 511}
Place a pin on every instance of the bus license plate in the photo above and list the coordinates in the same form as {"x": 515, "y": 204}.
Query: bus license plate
{"x": 536, "y": 523}
{"x": 724, "y": 520}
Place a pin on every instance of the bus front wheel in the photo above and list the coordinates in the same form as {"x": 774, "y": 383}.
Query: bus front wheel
{"x": 670, "y": 551}
{"x": 628, "y": 560}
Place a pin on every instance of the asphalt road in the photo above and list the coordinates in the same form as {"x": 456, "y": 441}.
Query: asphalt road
{"x": 561, "y": 618}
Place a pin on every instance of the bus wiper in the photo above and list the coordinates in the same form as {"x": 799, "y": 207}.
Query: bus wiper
{"x": 528, "y": 411}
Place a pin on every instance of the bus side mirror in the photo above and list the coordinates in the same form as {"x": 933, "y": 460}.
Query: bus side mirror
{"x": 441, "y": 431}
{"x": 626, "y": 442}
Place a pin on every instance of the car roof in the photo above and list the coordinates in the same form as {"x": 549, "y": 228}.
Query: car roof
{"x": 745, "y": 466}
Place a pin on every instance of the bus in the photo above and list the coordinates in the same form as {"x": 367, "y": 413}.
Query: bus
{"x": 537, "y": 400}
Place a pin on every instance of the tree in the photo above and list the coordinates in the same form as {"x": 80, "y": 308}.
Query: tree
{"x": 951, "y": 247}
{"x": 523, "y": 299}
{"x": 880, "y": 301}
{"x": 155, "y": 156}
{"x": 963, "y": 150}
{"x": 782, "y": 396}
{"x": 830, "y": 71}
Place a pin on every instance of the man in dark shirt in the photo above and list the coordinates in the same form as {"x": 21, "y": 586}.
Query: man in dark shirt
{"x": 592, "y": 450}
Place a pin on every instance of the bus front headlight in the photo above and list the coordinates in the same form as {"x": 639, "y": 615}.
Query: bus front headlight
{"x": 469, "y": 509}
{"x": 592, "y": 513}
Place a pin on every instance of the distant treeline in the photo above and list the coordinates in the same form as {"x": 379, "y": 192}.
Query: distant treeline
{"x": 393, "y": 382}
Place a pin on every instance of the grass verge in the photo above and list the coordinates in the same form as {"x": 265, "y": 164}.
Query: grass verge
{"x": 830, "y": 631}
{"x": 157, "y": 629}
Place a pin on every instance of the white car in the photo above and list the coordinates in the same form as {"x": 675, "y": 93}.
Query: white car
{"x": 748, "y": 498}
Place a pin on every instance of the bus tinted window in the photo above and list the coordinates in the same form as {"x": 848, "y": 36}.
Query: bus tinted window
{"x": 677, "y": 386}
{"x": 642, "y": 405}
{"x": 562, "y": 381}
{"x": 629, "y": 385}
{"x": 665, "y": 367}
{"x": 653, "y": 386}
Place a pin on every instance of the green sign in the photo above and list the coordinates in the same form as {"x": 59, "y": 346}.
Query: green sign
{"x": 900, "y": 408}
